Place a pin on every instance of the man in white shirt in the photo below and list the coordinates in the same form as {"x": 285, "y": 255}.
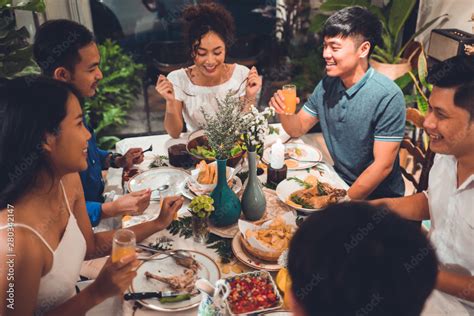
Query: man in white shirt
{"x": 449, "y": 200}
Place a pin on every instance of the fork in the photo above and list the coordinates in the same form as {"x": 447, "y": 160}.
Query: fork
{"x": 181, "y": 254}
{"x": 149, "y": 149}
{"x": 234, "y": 92}
{"x": 288, "y": 156}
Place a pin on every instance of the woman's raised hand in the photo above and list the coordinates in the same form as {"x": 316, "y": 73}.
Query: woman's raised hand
{"x": 165, "y": 88}
{"x": 254, "y": 83}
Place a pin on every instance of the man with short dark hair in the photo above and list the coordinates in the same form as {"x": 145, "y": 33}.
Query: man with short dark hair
{"x": 356, "y": 259}
{"x": 362, "y": 113}
{"x": 66, "y": 51}
{"x": 449, "y": 200}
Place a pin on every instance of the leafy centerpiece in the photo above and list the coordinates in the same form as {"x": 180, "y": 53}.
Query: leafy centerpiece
{"x": 223, "y": 133}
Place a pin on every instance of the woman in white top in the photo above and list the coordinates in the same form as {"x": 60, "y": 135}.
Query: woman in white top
{"x": 209, "y": 30}
{"x": 45, "y": 232}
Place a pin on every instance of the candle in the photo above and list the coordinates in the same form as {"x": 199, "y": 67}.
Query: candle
{"x": 277, "y": 158}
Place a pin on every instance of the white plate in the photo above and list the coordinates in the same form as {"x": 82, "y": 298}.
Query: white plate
{"x": 190, "y": 194}
{"x": 209, "y": 270}
{"x": 309, "y": 153}
{"x": 250, "y": 260}
{"x": 287, "y": 187}
{"x": 154, "y": 178}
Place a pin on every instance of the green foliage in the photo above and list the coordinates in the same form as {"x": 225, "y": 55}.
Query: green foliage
{"x": 222, "y": 246}
{"x": 181, "y": 227}
{"x": 28, "y": 5}
{"x": 415, "y": 85}
{"x": 393, "y": 17}
{"x": 201, "y": 206}
{"x": 223, "y": 128}
{"x": 296, "y": 199}
{"x": 302, "y": 183}
{"x": 309, "y": 70}
{"x": 16, "y": 54}
{"x": 116, "y": 93}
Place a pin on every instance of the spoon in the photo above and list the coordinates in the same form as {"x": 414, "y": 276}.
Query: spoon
{"x": 149, "y": 149}
{"x": 161, "y": 188}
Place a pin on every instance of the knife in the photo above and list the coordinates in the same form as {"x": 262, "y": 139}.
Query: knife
{"x": 147, "y": 295}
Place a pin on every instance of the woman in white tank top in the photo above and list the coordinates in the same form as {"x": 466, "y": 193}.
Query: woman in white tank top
{"x": 209, "y": 30}
{"x": 45, "y": 238}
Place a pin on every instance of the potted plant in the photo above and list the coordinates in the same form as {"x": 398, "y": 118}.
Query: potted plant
{"x": 16, "y": 53}
{"x": 201, "y": 208}
{"x": 255, "y": 128}
{"x": 116, "y": 93}
{"x": 417, "y": 90}
{"x": 388, "y": 58}
{"x": 223, "y": 132}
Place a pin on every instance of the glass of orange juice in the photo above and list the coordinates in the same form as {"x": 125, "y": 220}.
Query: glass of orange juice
{"x": 289, "y": 93}
{"x": 123, "y": 245}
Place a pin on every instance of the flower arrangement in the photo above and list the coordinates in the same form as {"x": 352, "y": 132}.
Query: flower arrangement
{"x": 255, "y": 127}
{"x": 201, "y": 206}
{"x": 223, "y": 128}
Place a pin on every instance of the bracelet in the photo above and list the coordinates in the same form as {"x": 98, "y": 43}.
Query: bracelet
{"x": 113, "y": 157}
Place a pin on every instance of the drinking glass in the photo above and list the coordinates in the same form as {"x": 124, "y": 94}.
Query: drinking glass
{"x": 289, "y": 93}
{"x": 123, "y": 245}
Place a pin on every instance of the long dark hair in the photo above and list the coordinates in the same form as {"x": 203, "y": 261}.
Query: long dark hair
{"x": 30, "y": 107}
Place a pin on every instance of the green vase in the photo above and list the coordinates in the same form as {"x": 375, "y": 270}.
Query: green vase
{"x": 253, "y": 199}
{"x": 226, "y": 203}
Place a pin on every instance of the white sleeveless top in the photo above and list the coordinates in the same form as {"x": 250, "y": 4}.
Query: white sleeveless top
{"x": 204, "y": 97}
{"x": 58, "y": 285}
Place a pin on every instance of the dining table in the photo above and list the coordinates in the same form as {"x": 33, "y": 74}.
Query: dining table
{"x": 160, "y": 143}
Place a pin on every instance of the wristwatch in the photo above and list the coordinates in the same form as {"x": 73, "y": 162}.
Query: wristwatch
{"x": 113, "y": 157}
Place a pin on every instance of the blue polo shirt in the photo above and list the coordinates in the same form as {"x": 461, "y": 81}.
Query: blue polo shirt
{"x": 92, "y": 181}
{"x": 352, "y": 119}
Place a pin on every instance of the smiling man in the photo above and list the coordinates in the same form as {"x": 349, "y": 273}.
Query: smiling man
{"x": 362, "y": 113}
{"x": 66, "y": 51}
{"x": 449, "y": 200}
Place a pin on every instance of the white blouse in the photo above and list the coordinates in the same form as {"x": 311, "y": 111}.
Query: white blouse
{"x": 204, "y": 97}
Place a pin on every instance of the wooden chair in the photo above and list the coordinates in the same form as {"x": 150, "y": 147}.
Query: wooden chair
{"x": 422, "y": 156}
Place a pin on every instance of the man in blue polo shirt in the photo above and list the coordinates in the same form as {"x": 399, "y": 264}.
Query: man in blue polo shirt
{"x": 362, "y": 113}
{"x": 66, "y": 51}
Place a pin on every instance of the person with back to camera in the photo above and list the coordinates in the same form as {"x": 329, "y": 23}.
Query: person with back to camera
{"x": 209, "y": 32}
{"x": 356, "y": 259}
